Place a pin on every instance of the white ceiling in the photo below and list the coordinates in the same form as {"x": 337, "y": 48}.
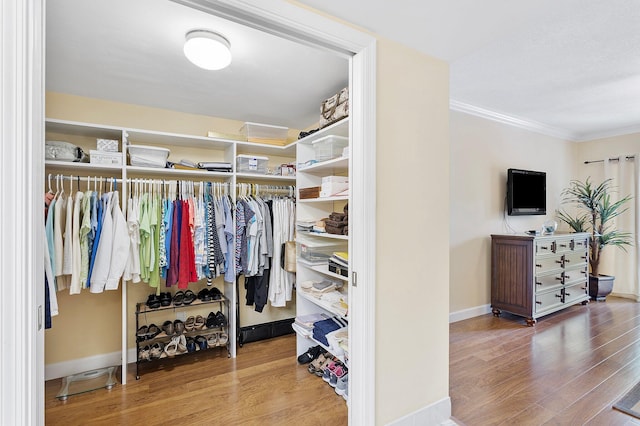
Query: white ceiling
{"x": 567, "y": 68}
{"x": 131, "y": 51}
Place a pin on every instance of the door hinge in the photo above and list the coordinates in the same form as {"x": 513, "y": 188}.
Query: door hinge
{"x": 354, "y": 279}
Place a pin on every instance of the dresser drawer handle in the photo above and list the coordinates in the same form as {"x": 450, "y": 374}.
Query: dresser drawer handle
{"x": 538, "y": 265}
{"x": 558, "y": 295}
{"x": 538, "y": 302}
{"x": 563, "y": 245}
{"x": 544, "y": 248}
{"x": 567, "y": 294}
{"x": 558, "y": 261}
{"x": 567, "y": 277}
{"x": 558, "y": 278}
{"x": 538, "y": 283}
{"x": 567, "y": 260}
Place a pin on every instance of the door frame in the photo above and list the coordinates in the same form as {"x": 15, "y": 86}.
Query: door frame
{"x": 21, "y": 226}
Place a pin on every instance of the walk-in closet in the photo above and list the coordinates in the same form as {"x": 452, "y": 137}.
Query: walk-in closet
{"x": 221, "y": 233}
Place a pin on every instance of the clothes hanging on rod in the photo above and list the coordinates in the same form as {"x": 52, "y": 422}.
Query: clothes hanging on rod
{"x": 85, "y": 234}
{"x": 265, "y": 219}
{"x": 178, "y": 231}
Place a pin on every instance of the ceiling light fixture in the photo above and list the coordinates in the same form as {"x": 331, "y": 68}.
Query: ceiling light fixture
{"x": 207, "y": 49}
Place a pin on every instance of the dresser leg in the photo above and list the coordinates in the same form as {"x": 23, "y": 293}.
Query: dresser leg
{"x": 584, "y": 302}
{"x": 531, "y": 322}
{"x": 496, "y": 312}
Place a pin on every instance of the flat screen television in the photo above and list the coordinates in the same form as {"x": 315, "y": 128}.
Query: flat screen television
{"x": 526, "y": 192}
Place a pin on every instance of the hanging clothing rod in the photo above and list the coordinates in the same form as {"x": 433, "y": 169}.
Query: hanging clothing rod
{"x": 627, "y": 158}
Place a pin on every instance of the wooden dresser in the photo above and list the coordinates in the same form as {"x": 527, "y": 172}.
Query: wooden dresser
{"x": 533, "y": 276}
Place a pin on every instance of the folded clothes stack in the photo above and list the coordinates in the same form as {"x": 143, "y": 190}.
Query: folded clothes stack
{"x": 338, "y": 223}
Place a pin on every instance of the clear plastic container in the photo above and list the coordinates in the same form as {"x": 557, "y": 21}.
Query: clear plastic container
{"x": 329, "y": 147}
{"x": 318, "y": 252}
{"x": 148, "y": 156}
{"x": 252, "y": 164}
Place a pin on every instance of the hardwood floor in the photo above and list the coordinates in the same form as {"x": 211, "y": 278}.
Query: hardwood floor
{"x": 567, "y": 370}
{"x": 264, "y": 385}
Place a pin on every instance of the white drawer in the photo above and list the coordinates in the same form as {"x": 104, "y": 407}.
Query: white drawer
{"x": 575, "y": 275}
{"x": 546, "y": 281}
{"x": 545, "y": 247}
{"x": 548, "y": 300}
{"x": 580, "y": 244}
{"x": 575, "y": 292}
{"x": 547, "y": 263}
{"x": 575, "y": 259}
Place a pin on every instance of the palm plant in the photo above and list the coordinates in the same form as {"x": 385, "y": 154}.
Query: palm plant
{"x": 595, "y": 214}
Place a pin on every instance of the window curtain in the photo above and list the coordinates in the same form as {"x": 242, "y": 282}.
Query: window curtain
{"x": 625, "y": 266}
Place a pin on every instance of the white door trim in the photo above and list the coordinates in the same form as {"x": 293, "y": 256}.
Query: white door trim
{"x": 21, "y": 212}
{"x": 287, "y": 20}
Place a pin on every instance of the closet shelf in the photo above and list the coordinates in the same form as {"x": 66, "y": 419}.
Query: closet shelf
{"x": 258, "y": 177}
{"x": 323, "y": 269}
{"x": 324, "y": 199}
{"x": 325, "y": 235}
{"x": 303, "y": 333}
{"x": 341, "y": 128}
{"x": 337, "y": 165}
{"x": 84, "y": 167}
{"x": 319, "y": 302}
{"x": 157, "y": 171}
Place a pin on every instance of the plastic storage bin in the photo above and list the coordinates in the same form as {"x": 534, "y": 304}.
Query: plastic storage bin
{"x": 264, "y": 133}
{"x": 105, "y": 158}
{"x": 329, "y": 147}
{"x": 252, "y": 164}
{"x": 318, "y": 252}
{"x": 148, "y": 156}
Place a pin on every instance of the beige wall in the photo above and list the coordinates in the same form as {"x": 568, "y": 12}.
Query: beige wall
{"x": 412, "y": 334}
{"x": 481, "y": 152}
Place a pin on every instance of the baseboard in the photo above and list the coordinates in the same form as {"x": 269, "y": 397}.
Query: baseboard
{"x": 469, "y": 313}
{"x": 438, "y": 413}
{"x": 75, "y": 366}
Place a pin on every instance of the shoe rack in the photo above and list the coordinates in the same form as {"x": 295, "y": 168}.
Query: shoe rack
{"x": 175, "y": 330}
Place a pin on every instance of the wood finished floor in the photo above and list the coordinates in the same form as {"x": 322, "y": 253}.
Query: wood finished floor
{"x": 567, "y": 370}
{"x": 264, "y": 385}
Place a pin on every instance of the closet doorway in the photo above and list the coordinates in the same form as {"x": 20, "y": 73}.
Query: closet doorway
{"x": 360, "y": 51}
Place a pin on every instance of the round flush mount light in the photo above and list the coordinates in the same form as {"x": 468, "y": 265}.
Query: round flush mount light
{"x": 207, "y": 49}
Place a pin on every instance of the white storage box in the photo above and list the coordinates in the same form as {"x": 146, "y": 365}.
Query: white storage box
{"x": 107, "y": 145}
{"x": 148, "y": 156}
{"x": 335, "y": 179}
{"x": 105, "y": 158}
{"x": 251, "y": 164}
{"x": 332, "y": 188}
{"x": 329, "y": 147}
{"x": 264, "y": 133}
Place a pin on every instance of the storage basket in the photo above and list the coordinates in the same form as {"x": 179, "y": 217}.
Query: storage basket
{"x": 252, "y": 164}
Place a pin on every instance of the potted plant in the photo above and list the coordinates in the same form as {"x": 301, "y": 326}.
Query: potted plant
{"x": 596, "y": 214}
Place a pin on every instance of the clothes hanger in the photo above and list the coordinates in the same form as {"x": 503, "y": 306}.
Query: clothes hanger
{"x": 49, "y": 183}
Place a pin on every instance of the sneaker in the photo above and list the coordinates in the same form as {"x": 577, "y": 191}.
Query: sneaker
{"x": 326, "y": 375}
{"x": 342, "y": 386}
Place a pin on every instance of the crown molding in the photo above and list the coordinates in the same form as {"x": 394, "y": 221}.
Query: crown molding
{"x": 608, "y": 133}
{"x": 511, "y": 120}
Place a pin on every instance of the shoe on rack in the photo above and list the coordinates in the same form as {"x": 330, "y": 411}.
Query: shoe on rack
{"x": 189, "y": 297}
{"x": 324, "y": 365}
{"x": 326, "y": 375}
{"x": 221, "y": 319}
{"x": 212, "y": 340}
{"x": 168, "y": 328}
{"x": 178, "y": 327}
{"x": 212, "y": 320}
{"x": 223, "y": 338}
{"x": 182, "y": 344}
{"x": 201, "y": 341}
{"x": 156, "y": 351}
{"x": 316, "y": 363}
{"x": 342, "y": 384}
{"x": 153, "y": 302}
{"x": 311, "y": 354}
{"x": 199, "y": 323}
{"x": 142, "y": 333}
{"x": 215, "y": 293}
{"x": 189, "y": 323}
{"x": 153, "y": 331}
{"x": 191, "y": 344}
{"x": 204, "y": 295}
{"x": 171, "y": 349}
{"x": 143, "y": 353}
{"x": 178, "y": 298}
{"x": 165, "y": 299}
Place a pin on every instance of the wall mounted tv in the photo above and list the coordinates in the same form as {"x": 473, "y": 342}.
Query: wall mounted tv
{"x": 526, "y": 192}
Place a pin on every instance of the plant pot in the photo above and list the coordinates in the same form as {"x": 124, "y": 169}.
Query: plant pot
{"x": 600, "y": 286}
